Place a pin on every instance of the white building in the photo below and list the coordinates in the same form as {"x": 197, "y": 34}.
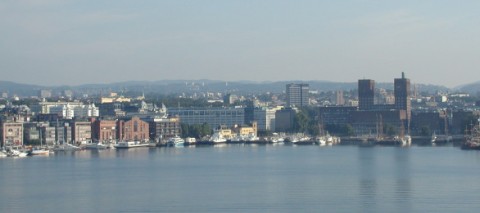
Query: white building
{"x": 68, "y": 110}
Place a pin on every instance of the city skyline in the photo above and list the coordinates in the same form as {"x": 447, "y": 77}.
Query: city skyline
{"x": 52, "y": 43}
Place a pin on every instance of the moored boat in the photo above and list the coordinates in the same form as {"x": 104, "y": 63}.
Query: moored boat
{"x": 130, "y": 144}
{"x": 176, "y": 141}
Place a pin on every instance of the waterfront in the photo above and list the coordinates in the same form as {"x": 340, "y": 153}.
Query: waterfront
{"x": 245, "y": 178}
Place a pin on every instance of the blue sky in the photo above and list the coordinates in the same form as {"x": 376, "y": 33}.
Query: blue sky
{"x": 57, "y": 42}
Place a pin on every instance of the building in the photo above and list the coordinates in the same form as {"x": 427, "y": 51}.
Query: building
{"x": 213, "y": 116}
{"x": 81, "y": 131}
{"x": 104, "y": 130}
{"x": 66, "y": 110}
{"x": 246, "y": 130}
{"x": 132, "y": 129}
{"x": 366, "y": 94}
{"x": 11, "y": 133}
{"x": 265, "y": 118}
{"x": 402, "y": 95}
{"x": 49, "y": 135}
{"x": 162, "y": 128}
{"x": 339, "y": 100}
{"x": 284, "y": 120}
{"x": 297, "y": 95}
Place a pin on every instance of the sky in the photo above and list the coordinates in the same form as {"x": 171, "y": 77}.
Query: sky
{"x": 63, "y": 42}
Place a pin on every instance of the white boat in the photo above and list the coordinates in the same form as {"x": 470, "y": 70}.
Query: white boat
{"x": 321, "y": 140}
{"x": 96, "y": 146}
{"x": 217, "y": 138}
{"x": 252, "y": 138}
{"x": 39, "y": 152}
{"x": 3, "y": 154}
{"x": 16, "y": 153}
{"x": 130, "y": 144}
{"x": 65, "y": 148}
{"x": 190, "y": 140}
{"x": 176, "y": 141}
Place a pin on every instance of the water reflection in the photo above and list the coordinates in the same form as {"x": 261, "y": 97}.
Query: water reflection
{"x": 367, "y": 179}
{"x": 403, "y": 187}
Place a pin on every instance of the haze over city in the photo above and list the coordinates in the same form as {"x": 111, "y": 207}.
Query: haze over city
{"x": 56, "y": 42}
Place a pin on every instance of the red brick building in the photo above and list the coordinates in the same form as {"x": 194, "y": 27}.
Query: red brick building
{"x": 104, "y": 130}
{"x": 133, "y": 129}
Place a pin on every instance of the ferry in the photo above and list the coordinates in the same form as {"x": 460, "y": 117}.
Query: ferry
{"x": 130, "y": 144}
{"x": 176, "y": 141}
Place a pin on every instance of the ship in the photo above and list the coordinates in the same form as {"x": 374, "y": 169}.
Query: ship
{"x": 472, "y": 140}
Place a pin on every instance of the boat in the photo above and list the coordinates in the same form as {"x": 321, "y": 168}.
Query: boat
{"x": 130, "y": 144}
{"x": 3, "y": 154}
{"x": 190, "y": 141}
{"x": 66, "y": 147}
{"x": 96, "y": 146}
{"x": 440, "y": 139}
{"x": 16, "y": 153}
{"x": 321, "y": 140}
{"x": 217, "y": 137}
{"x": 38, "y": 152}
{"x": 472, "y": 141}
{"x": 176, "y": 141}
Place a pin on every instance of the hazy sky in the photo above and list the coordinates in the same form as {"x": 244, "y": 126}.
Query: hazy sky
{"x": 57, "y": 42}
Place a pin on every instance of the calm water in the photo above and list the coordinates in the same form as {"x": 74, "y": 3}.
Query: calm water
{"x": 245, "y": 178}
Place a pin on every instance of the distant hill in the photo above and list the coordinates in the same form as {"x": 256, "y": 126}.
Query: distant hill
{"x": 23, "y": 90}
{"x": 472, "y": 88}
{"x": 190, "y": 86}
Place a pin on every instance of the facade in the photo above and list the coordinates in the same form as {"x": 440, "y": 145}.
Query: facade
{"x": 133, "y": 129}
{"x": 213, "y": 116}
{"x": 339, "y": 100}
{"x": 297, "y": 95}
{"x": 246, "y": 130}
{"x": 49, "y": 134}
{"x": 11, "y": 133}
{"x": 161, "y": 128}
{"x": 366, "y": 94}
{"x": 284, "y": 120}
{"x": 265, "y": 118}
{"x": 31, "y": 133}
{"x": 402, "y": 95}
{"x": 377, "y": 122}
{"x": 67, "y": 110}
{"x": 81, "y": 131}
{"x": 104, "y": 130}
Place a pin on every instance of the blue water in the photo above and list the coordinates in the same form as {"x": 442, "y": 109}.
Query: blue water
{"x": 245, "y": 178}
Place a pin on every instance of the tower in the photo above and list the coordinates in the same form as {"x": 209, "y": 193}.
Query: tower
{"x": 366, "y": 94}
{"x": 402, "y": 94}
{"x": 297, "y": 95}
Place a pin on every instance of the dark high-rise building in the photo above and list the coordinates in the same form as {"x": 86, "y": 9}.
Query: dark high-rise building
{"x": 366, "y": 94}
{"x": 297, "y": 95}
{"x": 402, "y": 94}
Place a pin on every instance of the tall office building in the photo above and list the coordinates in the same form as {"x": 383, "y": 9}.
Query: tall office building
{"x": 366, "y": 94}
{"x": 402, "y": 94}
{"x": 297, "y": 95}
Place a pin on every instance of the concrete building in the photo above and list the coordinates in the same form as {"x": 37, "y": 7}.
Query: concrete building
{"x": 67, "y": 110}
{"x": 11, "y": 133}
{"x": 162, "y": 128}
{"x": 133, "y": 129}
{"x": 284, "y": 120}
{"x": 265, "y": 118}
{"x": 339, "y": 100}
{"x": 297, "y": 95}
{"x": 213, "y": 116}
{"x": 81, "y": 131}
